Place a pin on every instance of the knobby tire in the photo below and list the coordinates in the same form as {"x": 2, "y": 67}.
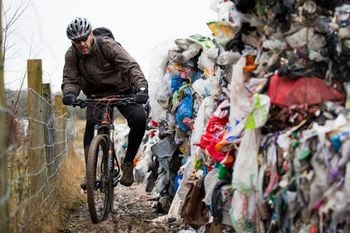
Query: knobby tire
{"x": 97, "y": 170}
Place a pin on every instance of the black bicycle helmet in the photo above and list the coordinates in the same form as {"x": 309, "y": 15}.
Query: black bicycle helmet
{"x": 78, "y": 28}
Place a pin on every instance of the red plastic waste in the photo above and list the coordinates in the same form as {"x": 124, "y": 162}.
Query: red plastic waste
{"x": 302, "y": 91}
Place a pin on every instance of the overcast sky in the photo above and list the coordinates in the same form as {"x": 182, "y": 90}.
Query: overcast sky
{"x": 139, "y": 25}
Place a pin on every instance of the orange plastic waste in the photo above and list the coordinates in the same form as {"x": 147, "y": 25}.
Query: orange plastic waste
{"x": 250, "y": 65}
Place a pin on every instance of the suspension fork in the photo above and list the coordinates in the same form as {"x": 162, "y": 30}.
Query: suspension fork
{"x": 111, "y": 152}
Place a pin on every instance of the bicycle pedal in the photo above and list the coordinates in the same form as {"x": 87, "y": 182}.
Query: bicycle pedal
{"x": 116, "y": 180}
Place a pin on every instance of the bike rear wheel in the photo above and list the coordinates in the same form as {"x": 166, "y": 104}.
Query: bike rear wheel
{"x": 99, "y": 186}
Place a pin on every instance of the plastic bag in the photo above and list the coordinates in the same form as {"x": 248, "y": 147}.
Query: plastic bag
{"x": 275, "y": 45}
{"x": 216, "y": 125}
{"x": 184, "y": 109}
{"x": 228, "y": 58}
{"x": 185, "y": 50}
{"x": 209, "y": 184}
{"x": 221, "y": 6}
{"x": 186, "y": 171}
{"x": 212, "y": 150}
{"x": 243, "y": 212}
{"x": 205, "y": 87}
{"x": 159, "y": 86}
{"x": 306, "y": 37}
{"x": 223, "y": 32}
{"x": 302, "y": 91}
{"x": 175, "y": 81}
{"x": 194, "y": 210}
{"x": 204, "y": 41}
{"x": 203, "y": 114}
{"x": 164, "y": 148}
{"x": 244, "y": 181}
{"x": 205, "y": 64}
{"x": 260, "y": 111}
{"x": 245, "y": 172}
{"x": 239, "y": 96}
{"x": 161, "y": 96}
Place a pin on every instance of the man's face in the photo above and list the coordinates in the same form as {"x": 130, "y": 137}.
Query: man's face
{"x": 83, "y": 45}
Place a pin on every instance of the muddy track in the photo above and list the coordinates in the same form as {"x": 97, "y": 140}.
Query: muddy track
{"x": 132, "y": 212}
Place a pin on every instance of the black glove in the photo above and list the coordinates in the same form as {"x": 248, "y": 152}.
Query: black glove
{"x": 141, "y": 96}
{"x": 69, "y": 99}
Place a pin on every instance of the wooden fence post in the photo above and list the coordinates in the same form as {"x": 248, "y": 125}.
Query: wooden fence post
{"x": 4, "y": 187}
{"x": 60, "y": 112}
{"x": 36, "y": 148}
{"x": 49, "y": 119}
{"x": 46, "y": 90}
{"x": 60, "y": 134}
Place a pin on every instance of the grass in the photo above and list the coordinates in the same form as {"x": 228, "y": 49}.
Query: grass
{"x": 52, "y": 218}
{"x": 69, "y": 184}
{"x": 71, "y": 175}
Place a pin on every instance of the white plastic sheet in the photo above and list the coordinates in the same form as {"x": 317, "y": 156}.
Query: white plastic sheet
{"x": 240, "y": 97}
{"x": 245, "y": 172}
{"x": 176, "y": 205}
{"x": 156, "y": 79}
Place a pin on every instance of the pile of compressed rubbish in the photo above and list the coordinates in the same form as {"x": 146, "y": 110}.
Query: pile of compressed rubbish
{"x": 253, "y": 123}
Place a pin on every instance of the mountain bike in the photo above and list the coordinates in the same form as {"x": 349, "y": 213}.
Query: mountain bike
{"x": 102, "y": 167}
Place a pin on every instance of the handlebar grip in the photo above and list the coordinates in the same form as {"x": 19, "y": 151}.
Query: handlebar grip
{"x": 80, "y": 103}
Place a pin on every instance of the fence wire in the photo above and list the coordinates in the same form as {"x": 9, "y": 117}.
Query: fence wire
{"x": 36, "y": 148}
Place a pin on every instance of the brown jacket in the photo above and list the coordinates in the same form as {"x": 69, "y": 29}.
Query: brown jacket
{"x": 94, "y": 75}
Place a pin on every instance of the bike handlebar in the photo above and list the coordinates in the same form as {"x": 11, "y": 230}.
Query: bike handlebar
{"x": 115, "y": 100}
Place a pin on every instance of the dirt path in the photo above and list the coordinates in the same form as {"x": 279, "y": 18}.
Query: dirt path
{"x": 133, "y": 212}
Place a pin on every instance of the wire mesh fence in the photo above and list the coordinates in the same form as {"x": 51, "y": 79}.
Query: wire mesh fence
{"x": 35, "y": 148}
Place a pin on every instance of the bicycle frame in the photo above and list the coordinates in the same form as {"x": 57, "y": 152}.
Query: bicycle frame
{"x": 102, "y": 147}
{"x": 106, "y": 127}
{"x": 106, "y": 124}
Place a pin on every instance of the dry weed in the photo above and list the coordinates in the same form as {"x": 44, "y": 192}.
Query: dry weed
{"x": 68, "y": 196}
{"x": 71, "y": 175}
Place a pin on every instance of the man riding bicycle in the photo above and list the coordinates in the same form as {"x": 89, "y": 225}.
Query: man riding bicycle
{"x": 104, "y": 73}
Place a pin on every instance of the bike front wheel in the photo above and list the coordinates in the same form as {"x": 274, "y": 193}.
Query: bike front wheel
{"x": 99, "y": 186}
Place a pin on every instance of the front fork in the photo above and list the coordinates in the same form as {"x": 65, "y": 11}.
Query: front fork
{"x": 111, "y": 157}
{"x": 111, "y": 153}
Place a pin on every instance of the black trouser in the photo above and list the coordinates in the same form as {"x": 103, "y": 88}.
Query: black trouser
{"x": 136, "y": 118}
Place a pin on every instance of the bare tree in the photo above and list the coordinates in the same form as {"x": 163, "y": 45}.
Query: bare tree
{"x": 4, "y": 188}
{"x": 11, "y": 16}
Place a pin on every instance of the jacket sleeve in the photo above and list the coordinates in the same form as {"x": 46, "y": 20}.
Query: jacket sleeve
{"x": 130, "y": 69}
{"x": 71, "y": 76}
